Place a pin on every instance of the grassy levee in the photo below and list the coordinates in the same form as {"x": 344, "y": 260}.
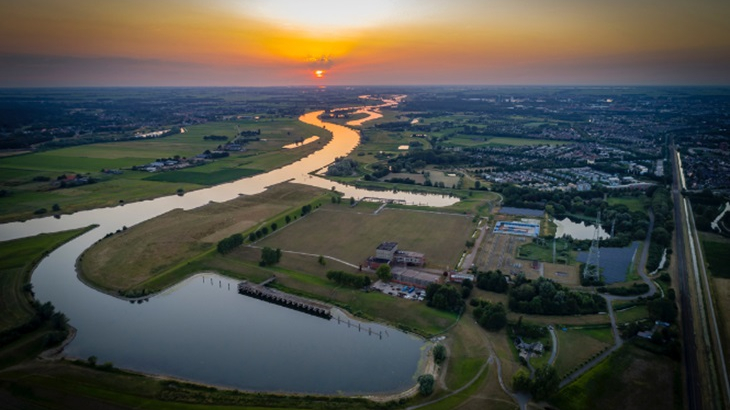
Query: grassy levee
{"x": 26, "y": 194}
{"x": 630, "y": 379}
{"x": 162, "y": 251}
{"x": 18, "y": 258}
{"x": 64, "y": 385}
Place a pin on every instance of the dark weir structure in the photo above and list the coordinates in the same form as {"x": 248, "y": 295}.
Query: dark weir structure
{"x": 283, "y": 299}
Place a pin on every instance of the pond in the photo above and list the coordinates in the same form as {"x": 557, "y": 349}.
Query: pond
{"x": 614, "y": 262}
{"x": 581, "y": 231}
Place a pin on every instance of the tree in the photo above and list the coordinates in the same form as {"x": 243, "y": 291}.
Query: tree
{"x": 274, "y": 227}
{"x": 521, "y": 381}
{"x": 56, "y": 208}
{"x": 425, "y": 384}
{"x": 92, "y": 361}
{"x": 287, "y": 219}
{"x": 270, "y": 256}
{"x": 383, "y": 273}
{"x": 252, "y": 237}
{"x": 439, "y": 353}
{"x": 352, "y": 200}
{"x": 546, "y": 382}
{"x": 321, "y": 260}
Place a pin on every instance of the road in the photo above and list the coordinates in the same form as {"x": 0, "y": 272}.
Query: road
{"x": 689, "y": 346}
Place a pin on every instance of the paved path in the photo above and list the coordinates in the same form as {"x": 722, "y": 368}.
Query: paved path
{"x": 311, "y": 254}
{"x": 471, "y": 256}
{"x": 554, "y": 352}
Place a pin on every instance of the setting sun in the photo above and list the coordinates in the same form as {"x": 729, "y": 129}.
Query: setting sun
{"x": 319, "y": 73}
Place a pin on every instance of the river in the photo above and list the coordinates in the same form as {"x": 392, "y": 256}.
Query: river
{"x": 202, "y": 329}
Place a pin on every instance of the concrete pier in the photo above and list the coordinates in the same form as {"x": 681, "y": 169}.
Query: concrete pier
{"x": 284, "y": 299}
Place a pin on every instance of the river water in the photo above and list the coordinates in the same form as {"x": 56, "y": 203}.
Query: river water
{"x": 203, "y": 331}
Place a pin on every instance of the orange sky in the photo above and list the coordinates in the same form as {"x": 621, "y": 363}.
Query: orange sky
{"x": 283, "y": 42}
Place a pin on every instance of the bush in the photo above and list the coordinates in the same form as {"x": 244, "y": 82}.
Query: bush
{"x": 425, "y": 384}
{"x": 439, "y": 353}
{"x": 348, "y": 279}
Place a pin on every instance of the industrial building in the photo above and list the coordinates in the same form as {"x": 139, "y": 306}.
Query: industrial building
{"x": 416, "y": 278}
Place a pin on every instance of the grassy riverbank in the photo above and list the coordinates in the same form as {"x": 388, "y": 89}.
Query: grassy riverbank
{"x": 23, "y": 334}
{"x": 156, "y": 253}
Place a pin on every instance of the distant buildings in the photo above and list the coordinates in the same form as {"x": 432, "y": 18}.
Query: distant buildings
{"x": 387, "y": 252}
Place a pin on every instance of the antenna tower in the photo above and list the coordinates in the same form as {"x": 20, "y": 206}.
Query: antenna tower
{"x": 591, "y": 270}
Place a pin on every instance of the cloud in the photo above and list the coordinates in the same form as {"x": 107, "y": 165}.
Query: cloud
{"x": 322, "y": 62}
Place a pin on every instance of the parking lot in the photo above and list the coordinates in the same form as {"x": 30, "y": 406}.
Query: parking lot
{"x": 397, "y": 290}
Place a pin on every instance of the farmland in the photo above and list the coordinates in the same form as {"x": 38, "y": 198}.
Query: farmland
{"x": 27, "y": 179}
{"x": 348, "y": 234}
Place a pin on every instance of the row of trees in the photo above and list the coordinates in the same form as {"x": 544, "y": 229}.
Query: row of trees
{"x": 348, "y": 279}
{"x": 545, "y": 297}
{"x": 230, "y": 243}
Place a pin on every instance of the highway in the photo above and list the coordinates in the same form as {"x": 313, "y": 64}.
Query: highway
{"x": 693, "y": 395}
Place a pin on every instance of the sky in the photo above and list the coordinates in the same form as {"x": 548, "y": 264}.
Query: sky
{"x": 68, "y": 43}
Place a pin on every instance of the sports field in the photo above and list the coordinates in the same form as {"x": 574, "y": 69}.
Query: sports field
{"x": 347, "y": 234}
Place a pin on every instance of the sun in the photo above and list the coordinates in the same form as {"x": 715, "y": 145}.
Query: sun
{"x": 319, "y": 73}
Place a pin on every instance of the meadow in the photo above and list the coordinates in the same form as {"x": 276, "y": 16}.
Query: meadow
{"x": 348, "y": 234}
{"x": 630, "y": 379}
{"x": 26, "y": 179}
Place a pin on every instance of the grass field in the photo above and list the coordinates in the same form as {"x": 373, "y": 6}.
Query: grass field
{"x": 26, "y": 196}
{"x": 544, "y": 253}
{"x": 17, "y": 260}
{"x": 717, "y": 257}
{"x": 632, "y": 314}
{"x": 132, "y": 258}
{"x": 347, "y": 234}
{"x": 630, "y": 379}
{"x": 635, "y": 204}
{"x": 578, "y": 345}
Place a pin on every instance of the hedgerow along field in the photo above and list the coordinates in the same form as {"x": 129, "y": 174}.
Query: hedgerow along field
{"x": 23, "y": 196}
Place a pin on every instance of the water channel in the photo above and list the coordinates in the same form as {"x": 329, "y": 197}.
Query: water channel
{"x": 202, "y": 329}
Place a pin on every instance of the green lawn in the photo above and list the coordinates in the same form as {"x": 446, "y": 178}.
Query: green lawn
{"x": 544, "y": 253}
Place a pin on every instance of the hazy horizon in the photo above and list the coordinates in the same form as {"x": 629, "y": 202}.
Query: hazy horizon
{"x": 226, "y": 43}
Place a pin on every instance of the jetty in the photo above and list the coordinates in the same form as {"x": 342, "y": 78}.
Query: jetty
{"x": 260, "y": 291}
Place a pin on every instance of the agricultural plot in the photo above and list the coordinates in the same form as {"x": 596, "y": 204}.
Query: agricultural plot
{"x": 346, "y": 234}
{"x": 27, "y": 179}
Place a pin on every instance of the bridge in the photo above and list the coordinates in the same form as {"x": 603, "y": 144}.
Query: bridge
{"x": 261, "y": 292}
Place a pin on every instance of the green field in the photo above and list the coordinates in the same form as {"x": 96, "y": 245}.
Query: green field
{"x": 717, "y": 258}
{"x": 17, "y": 260}
{"x": 632, "y": 314}
{"x": 635, "y": 204}
{"x": 578, "y": 345}
{"x": 630, "y": 379}
{"x": 480, "y": 140}
{"x": 24, "y": 195}
{"x": 347, "y": 234}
